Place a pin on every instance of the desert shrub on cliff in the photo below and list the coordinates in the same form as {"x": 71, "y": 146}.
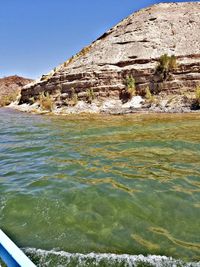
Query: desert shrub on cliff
{"x": 173, "y": 63}
{"x": 90, "y": 95}
{"x": 46, "y": 101}
{"x": 73, "y": 98}
{"x": 130, "y": 89}
{"x": 196, "y": 100}
{"x": 130, "y": 85}
{"x": 197, "y": 93}
{"x": 84, "y": 51}
{"x": 166, "y": 64}
{"x": 148, "y": 95}
{"x": 156, "y": 88}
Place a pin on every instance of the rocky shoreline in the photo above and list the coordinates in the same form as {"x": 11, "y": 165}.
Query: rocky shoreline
{"x": 167, "y": 104}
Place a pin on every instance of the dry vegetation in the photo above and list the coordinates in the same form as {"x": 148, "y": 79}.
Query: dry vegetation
{"x": 46, "y": 102}
{"x": 166, "y": 64}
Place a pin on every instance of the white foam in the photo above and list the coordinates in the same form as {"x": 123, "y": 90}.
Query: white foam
{"x": 97, "y": 258}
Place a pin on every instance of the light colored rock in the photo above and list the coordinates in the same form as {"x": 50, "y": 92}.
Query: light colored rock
{"x": 80, "y": 107}
{"x": 109, "y": 104}
{"x": 132, "y": 47}
{"x": 164, "y": 103}
{"x": 135, "y": 102}
{"x": 26, "y": 107}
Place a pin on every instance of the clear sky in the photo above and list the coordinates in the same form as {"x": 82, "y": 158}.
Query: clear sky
{"x": 37, "y": 35}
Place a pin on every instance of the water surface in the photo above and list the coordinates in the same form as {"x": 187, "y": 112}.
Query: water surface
{"x": 102, "y": 184}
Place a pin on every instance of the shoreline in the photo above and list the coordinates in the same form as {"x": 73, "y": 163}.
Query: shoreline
{"x": 137, "y": 105}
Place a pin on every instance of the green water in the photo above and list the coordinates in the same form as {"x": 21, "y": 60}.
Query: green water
{"x": 102, "y": 184}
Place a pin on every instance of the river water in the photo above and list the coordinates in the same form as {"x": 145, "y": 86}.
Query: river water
{"x": 99, "y": 185}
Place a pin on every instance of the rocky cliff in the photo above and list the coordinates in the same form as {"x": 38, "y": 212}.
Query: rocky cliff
{"x": 10, "y": 88}
{"x": 133, "y": 48}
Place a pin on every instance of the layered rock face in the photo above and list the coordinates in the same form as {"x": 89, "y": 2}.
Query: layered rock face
{"x": 133, "y": 47}
{"x": 10, "y": 88}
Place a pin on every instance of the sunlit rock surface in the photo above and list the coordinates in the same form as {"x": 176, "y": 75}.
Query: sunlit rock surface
{"x": 132, "y": 47}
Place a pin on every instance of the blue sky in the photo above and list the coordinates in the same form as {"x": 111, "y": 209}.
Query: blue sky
{"x": 37, "y": 35}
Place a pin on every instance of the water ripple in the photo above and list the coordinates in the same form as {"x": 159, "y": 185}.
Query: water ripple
{"x": 102, "y": 183}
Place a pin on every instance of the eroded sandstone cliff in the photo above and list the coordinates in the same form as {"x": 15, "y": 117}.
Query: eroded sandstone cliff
{"x": 133, "y": 47}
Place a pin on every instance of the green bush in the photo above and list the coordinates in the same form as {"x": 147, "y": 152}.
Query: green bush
{"x": 130, "y": 85}
{"x": 90, "y": 95}
{"x": 196, "y": 101}
{"x": 166, "y": 64}
{"x": 148, "y": 95}
{"x": 197, "y": 93}
{"x": 172, "y": 63}
{"x": 130, "y": 89}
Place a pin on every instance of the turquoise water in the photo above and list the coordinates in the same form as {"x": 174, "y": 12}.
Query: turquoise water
{"x": 101, "y": 184}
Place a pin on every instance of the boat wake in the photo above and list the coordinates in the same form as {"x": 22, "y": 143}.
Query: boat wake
{"x": 54, "y": 258}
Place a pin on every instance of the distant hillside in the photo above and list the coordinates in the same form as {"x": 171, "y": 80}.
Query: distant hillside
{"x": 157, "y": 49}
{"x": 10, "y": 88}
